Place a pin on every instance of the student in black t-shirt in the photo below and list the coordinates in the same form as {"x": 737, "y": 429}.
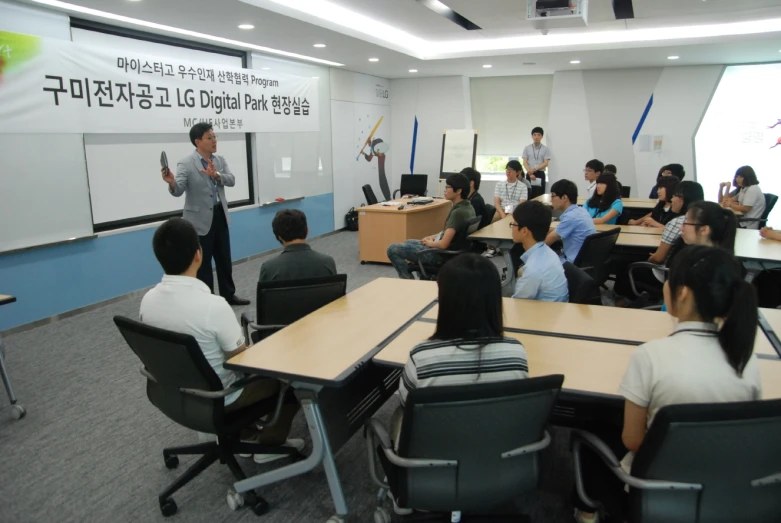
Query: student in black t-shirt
{"x": 475, "y": 198}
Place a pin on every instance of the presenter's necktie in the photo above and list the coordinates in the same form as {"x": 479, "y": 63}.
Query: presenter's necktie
{"x": 213, "y": 183}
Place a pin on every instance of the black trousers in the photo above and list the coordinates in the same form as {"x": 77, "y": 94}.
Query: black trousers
{"x": 217, "y": 244}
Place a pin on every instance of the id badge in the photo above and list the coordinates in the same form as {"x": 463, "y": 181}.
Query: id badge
{"x": 508, "y": 209}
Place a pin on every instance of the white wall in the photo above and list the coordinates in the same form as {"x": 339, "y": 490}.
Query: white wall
{"x": 681, "y": 97}
{"x": 439, "y": 104}
{"x": 505, "y": 109}
{"x": 359, "y": 102}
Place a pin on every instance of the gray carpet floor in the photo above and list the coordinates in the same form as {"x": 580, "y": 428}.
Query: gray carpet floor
{"x": 90, "y": 447}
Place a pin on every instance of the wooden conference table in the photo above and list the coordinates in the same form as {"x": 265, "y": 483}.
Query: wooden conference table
{"x": 380, "y": 225}
{"x": 18, "y": 410}
{"x": 629, "y": 203}
{"x": 343, "y": 360}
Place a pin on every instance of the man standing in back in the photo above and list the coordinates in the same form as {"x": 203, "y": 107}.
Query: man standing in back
{"x": 297, "y": 260}
{"x": 575, "y": 224}
{"x": 453, "y": 237}
{"x": 536, "y": 158}
{"x": 203, "y": 176}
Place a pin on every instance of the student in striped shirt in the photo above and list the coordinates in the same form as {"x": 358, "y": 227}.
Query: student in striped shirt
{"x": 468, "y": 345}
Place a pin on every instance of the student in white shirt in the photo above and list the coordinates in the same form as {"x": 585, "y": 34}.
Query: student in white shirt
{"x": 699, "y": 362}
{"x": 183, "y": 303}
{"x": 509, "y": 194}
{"x": 592, "y": 171}
{"x": 746, "y": 198}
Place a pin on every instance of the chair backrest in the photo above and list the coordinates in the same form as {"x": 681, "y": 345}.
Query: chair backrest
{"x": 625, "y": 191}
{"x": 285, "y": 301}
{"x": 488, "y": 217}
{"x": 582, "y": 287}
{"x": 413, "y": 184}
{"x": 770, "y": 202}
{"x": 624, "y": 217}
{"x": 724, "y": 447}
{"x": 176, "y": 361}
{"x": 461, "y": 241}
{"x": 596, "y": 249}
{"x": 474, "y": 425}
{"x": 368, "y": 193}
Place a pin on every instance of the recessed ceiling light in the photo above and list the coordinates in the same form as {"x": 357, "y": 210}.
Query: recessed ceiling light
{"x": 374, "y": 59}
{"x": 574, "y": 61}
{"x": 246, "y": 27}
{"x": 133, "y": 0}
{"x": 487, "y": 66}
{"x": 413, "y": 70}
{"x": 673, "y": 57}
{"x": 319, "y": 45}
{"x": 265, "y": 68}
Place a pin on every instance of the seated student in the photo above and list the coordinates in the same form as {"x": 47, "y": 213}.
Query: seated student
{"x": 707, "y": 223}
{"x": 611, "y": 168}
{"x": 708, "y": 359}
{"x": 673, "y": 169}
{"x": 297, "y": 260}
{"x": 746, "y": 198}
{"x": 475, "y": 198}
{"x": 575, "y": 223}
{"x": 508, "y": 194}
{"x": 605, "y": 206}
{"x": 686, "y": 193}
{"x": 468, "y": 339}
{"x": 452, "y": 238}
{"x": 592, "y": 171}
{"x": 182, "y": 303}
{"x": 662, "y": 213}
{"x": 542, "y": 276}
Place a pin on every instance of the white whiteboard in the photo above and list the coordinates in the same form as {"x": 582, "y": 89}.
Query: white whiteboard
{"x": 458, "y": 150}
{"x": 124, "y": 172}
{"x": 124, "y": 169}
{"x": 43, "y": 183}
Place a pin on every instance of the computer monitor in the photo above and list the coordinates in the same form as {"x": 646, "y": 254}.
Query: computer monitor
{"x": 413, "y": 184}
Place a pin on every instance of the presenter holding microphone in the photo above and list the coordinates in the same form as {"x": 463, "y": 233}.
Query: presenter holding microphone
{"x": 203, "y": 176}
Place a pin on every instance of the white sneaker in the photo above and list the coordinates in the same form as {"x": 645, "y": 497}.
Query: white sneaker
{"x": 295, "y": 443}
{"x": 489, "y": 253}
{"x": 580, "y": 517}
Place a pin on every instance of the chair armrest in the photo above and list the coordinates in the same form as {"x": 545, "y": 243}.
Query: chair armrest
{"x": 772, "y": 479}
{"x": 374, "y": 431}
{"x": 216, "y": 394}
{"x": 642, "y": 265}
{"x": 581, "y": 437}
{"x": 245, "y": 321}
{"x": 528, "y": 449}
{"x": 395, "y": 193}
{"x": 259, "y": 327}
{"x": 443, "y": 252}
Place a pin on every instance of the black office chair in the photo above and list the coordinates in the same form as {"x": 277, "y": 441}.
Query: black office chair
{"x": 625, "y": 191}
{"x": 624, "y": 217}
{"x": 488, "y": 217}
{"x": 698, "y": 463}
{"x": 429, "y": 271}
{"x": 770, "y": 202}
{"x": 184, "y": 387}
{"x": 412, "y": 184}
{"x": 368, "y": 193}
{"x": 280, "y": 303}
{"x": 594, "y": 254}
{"x": 582, "y": 287}
{"x": 471, "y": 448}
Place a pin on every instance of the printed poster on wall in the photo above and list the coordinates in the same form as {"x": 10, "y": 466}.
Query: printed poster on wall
{"x": 54, "y": 86}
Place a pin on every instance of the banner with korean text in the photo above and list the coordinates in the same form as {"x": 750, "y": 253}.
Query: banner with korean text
{"x": 55, "y": 86}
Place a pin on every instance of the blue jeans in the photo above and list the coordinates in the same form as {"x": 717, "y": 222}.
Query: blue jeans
{"x": 401, "y": 253}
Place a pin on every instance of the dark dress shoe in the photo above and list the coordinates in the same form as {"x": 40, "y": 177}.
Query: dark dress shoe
{"x": 235, "y": 300}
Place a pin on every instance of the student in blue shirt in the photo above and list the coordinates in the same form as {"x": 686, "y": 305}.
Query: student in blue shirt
{"x": 575, "y": 223}
{"x": 606, "y": 205}
{"x": 542, "y": 275}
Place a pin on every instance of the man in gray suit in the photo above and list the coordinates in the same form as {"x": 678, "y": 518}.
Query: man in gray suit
{"x": 297, "y": 260}
{"x": 203, "y": 176}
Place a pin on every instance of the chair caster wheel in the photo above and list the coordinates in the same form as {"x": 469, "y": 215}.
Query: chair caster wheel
{"x": 381, "y": 515}
{"x": 18, "y": 412}
{"x": 235, "y": 500}
{"x": 363, "y": 262}
{"x": 168, "y": 508}
{"x": 171, "y": 462}
{"x": 260, "y": 507}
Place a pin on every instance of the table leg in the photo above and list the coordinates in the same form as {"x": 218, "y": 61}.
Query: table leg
{"x": 509, "y": 280}
{"x": 4, "y": 373}
{"x": 321, "y": 453}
